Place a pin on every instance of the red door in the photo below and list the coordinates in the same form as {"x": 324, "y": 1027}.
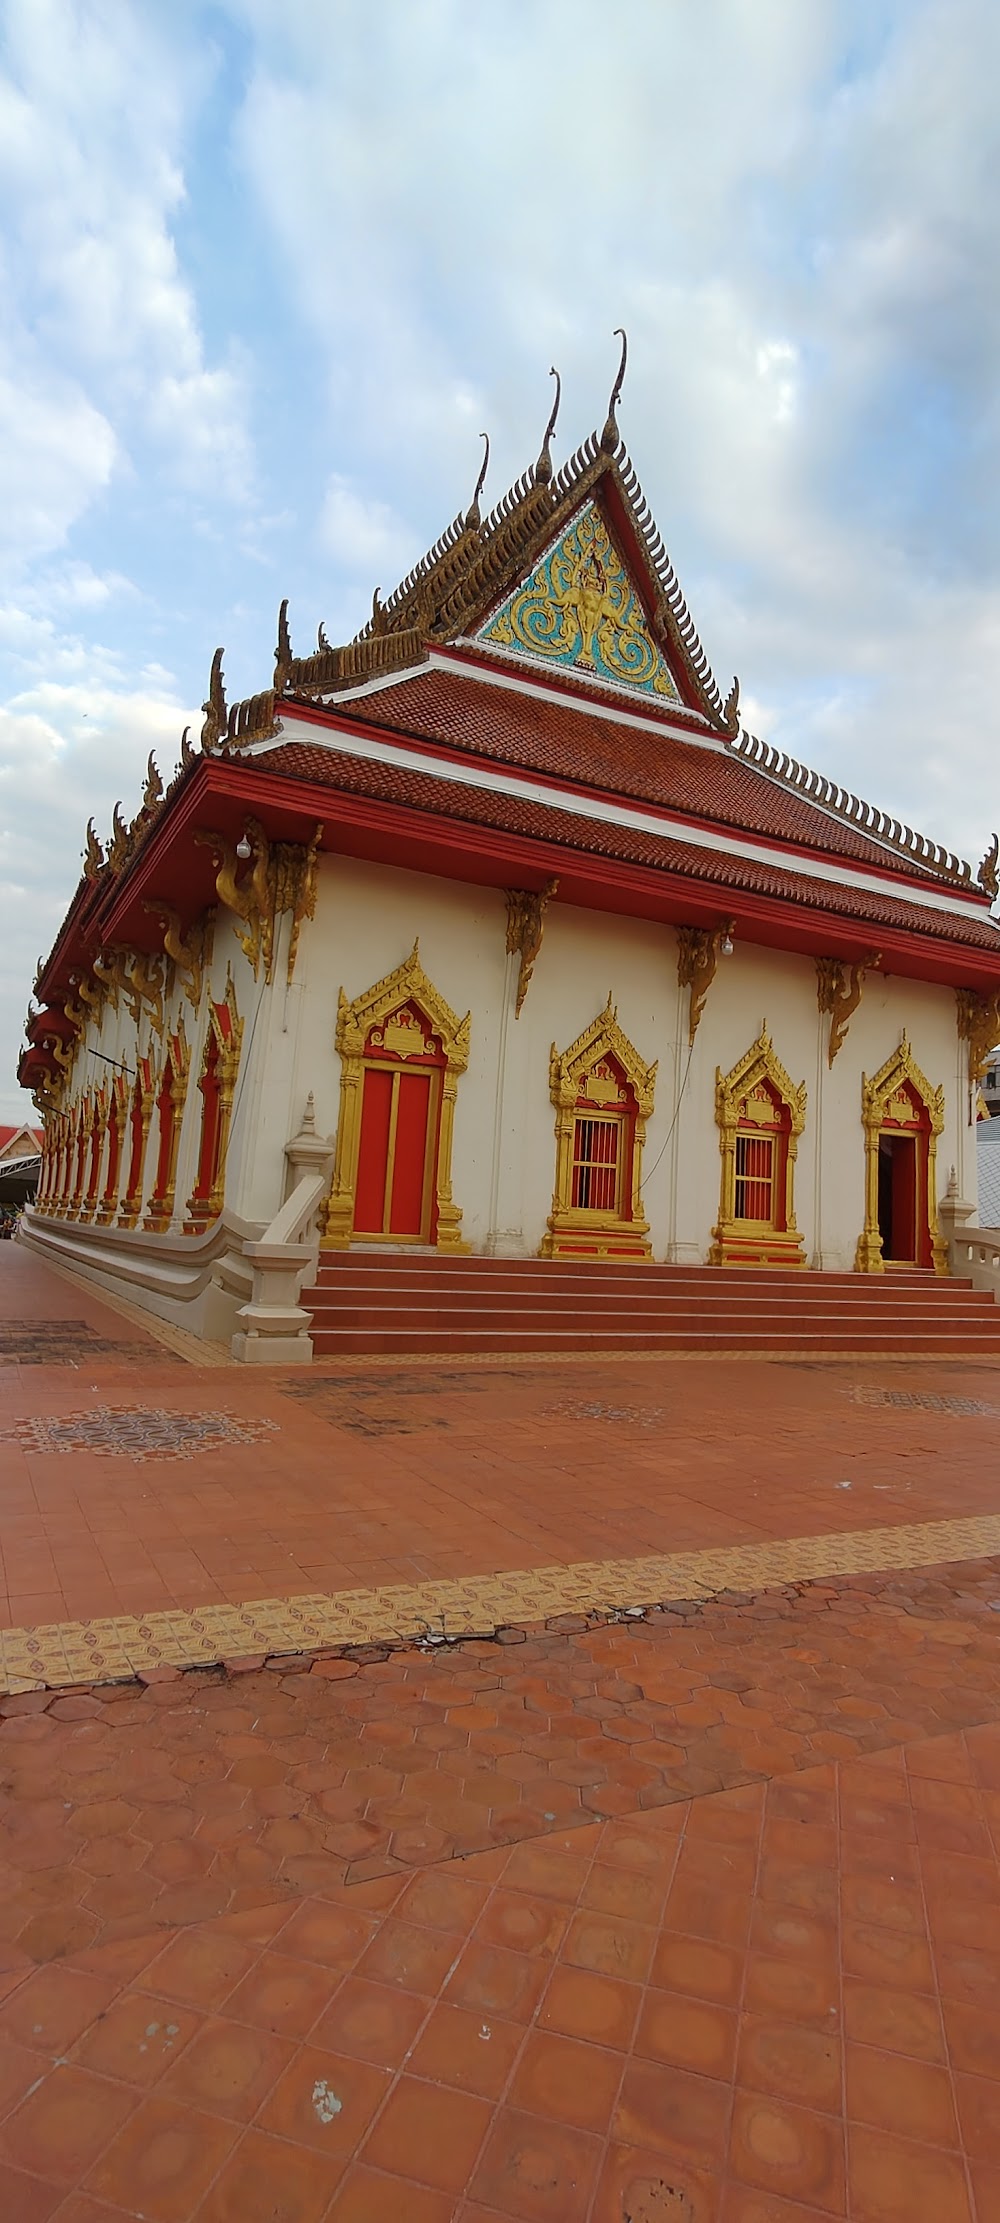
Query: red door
{"x": 393, "y": 1193}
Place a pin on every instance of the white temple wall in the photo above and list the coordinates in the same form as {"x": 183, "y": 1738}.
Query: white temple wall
{"x": 367, "y": 919}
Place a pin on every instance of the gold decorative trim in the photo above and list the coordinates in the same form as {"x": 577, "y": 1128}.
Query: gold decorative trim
{"x": 838, "y": 990}
{"x": 978, "y": 1021}
{"x": 740, "y": 1242}
{"x": 526, "y": 910}
{"x": 189, "y": 954}
{"x": 176, "y": 1062}
{"x": 698, "y": 952}
{"x": 572, "y": 1232}
{"x": 227, "y": 1042}
{"x": 876, "y": 1104}
{"x": 408, "y": 984}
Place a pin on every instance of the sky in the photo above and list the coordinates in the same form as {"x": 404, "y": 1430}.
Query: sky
{"x": 269, "y": 267}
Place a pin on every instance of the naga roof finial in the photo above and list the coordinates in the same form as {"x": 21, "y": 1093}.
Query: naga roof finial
{"x": 216, "y": 715}
{"x": 609, "y": 437}
{"x": 152, "y": 793}
{"x": 94, "y": 854}
{"x": 987, "y": 876}
{"x": 283, "y": 652}
{"x": 543, "y": 467}
{"x": 473, "y": 515}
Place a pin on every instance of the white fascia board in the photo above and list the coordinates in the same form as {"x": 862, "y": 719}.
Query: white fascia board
{"x": 377, "y": 750}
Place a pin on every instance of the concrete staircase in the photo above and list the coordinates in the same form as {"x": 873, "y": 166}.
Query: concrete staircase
{"x": 378, "y": 1302}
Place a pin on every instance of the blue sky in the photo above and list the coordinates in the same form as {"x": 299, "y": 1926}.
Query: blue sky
{"x": 269, "y": 269}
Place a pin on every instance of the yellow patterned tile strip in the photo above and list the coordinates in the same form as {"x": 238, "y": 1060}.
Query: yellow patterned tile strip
{"x": 70, "y": 1652}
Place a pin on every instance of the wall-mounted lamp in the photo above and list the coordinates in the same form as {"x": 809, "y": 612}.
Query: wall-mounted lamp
{"x": 726, "y": 946}
{"x": 243, "y": 848}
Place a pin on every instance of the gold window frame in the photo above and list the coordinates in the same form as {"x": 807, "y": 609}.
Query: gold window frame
{"x": 408, "y": 984}
{"x": 745, "y": 1242}
{"x": 573, "y": 1232}
{"x": 876, "y": 1095}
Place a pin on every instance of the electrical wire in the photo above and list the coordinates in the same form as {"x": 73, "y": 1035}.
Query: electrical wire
{"x": 677, "y": 1113}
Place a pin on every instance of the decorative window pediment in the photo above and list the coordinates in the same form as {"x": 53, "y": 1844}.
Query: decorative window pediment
{"x": 760, "y": 1114}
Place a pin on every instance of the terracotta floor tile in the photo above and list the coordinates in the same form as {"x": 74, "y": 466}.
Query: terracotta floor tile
{"x": 441, "y": 1900}
{"x": 886, "y": 1957}
{"x": 18, "y": 2070}
{"x": 894, "y": 2181}
{"x": 795, "y": 2152}
{"x": 371, "y": 2022}
{"x": 53, "y": 2008}
{"x": 791, "y": 2061}
{"x": 745, "y": 2203}
{"x": 907, "y": 2097}
{"x": 228, "y": 2069}
{"x": 670, "y": 2111}
{"x": 429, "y": 2133}
{"x": 899, "y": 2021}
{"x": 536, "y": 2172}
{"x": 58, "y": 2129}
{"x": 268, "y": 2181}
{"x": 412, "y": 1958}
{"x": 566, "y": 2081}
{"x": 137, "y": 2038}
{"x": 973, "y": 2038}
{"x": 696, "y": 1966}
{"x": 701, "y": 1910}
{"x": 461, "y": 2048}
{"x": 523, "y": 1922}
{"x": 163, "y": 2161}
{"x": 26, "y": 2199}
{"x": 490, "y": 1981}
{"x": 334, "y": 1936}
{"x": 282, "y": 1995}
{"x": 581, "y": 2004}
{"x": 325, "y": 2100}
{"x": 786, "y": 1992}
{"x": 978, "y": 2101}
{"x": 687, "y": 2033}
{"x": 609, "y": 1947}
{"x": 368, "y": 2196}
{"x": 638, "y": 2183}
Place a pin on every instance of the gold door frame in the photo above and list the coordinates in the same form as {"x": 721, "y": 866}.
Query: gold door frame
{"x": 435, "y": 1073}
{"x": 875, "y": 1096}
{"x": 743, "y": 1242}
{"x": 571, "y": 1231}
{"x": 408, "y": 984}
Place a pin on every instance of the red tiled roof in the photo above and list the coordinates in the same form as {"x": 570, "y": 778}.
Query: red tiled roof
{"x": 643, "y": 764}
{"x": 422, "y": 791}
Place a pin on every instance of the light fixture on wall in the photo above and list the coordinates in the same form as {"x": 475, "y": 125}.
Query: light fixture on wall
{"x": 727, "y": 945}
{"x": 243, "y": 848}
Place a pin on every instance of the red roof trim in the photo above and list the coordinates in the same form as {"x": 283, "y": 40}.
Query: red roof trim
{"x": 674, "y": 817}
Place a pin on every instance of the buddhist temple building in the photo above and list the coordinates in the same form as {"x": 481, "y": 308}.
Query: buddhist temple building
{"x": 494, "y": 935}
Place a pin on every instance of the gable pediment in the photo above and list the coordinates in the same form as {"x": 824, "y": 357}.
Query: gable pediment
{"x": 579, "y": 609}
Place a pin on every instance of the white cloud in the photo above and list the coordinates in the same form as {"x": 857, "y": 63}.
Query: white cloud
{"x": 68, "y": 751}
{"x": 56, "y": 453}
{"x": 364, "y": 537}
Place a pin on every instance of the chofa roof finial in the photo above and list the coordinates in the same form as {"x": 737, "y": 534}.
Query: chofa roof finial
{"x": 283, "y": 651}
{"x": 473, "y": 515}
{"x": 216, "y": 714}
{"x": 609, "y": 437}
{"x": 543, "y": 467}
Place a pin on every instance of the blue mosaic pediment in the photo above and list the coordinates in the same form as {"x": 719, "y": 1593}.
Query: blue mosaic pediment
{"x": 579, "y": 609}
